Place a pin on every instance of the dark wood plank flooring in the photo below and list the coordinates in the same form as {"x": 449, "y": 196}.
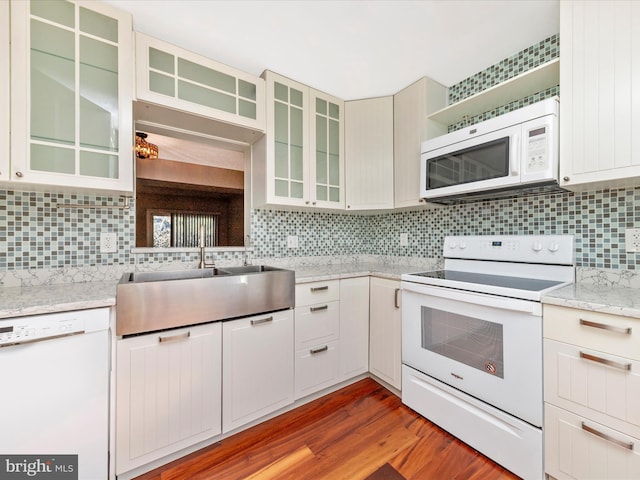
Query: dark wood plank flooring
{"x": 361, "y": 432}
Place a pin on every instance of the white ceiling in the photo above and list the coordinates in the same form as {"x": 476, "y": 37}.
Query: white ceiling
{"x": 350, "y": 49}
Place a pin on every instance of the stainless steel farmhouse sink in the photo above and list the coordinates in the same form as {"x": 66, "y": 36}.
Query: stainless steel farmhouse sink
{"x": 150, "y": 301}
{"x": 141, "y": 277}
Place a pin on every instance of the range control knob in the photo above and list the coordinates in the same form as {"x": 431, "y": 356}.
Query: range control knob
{"x": 463, "y": 245}
{"x": 536, "y": 246}
{"x": 453, "y": 245}
{"x": 553, "y": 247}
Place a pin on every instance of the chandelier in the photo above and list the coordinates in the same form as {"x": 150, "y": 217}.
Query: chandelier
{"x": 145, "y": 149}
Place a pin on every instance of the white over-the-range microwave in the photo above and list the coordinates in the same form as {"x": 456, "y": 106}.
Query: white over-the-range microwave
{"x": 511, "y": 154}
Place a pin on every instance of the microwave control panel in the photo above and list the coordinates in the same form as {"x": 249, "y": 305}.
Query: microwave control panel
{"x": 537, "y": 149}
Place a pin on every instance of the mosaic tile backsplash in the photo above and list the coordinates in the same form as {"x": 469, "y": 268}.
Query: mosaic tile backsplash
{"x": 34, "y": 234}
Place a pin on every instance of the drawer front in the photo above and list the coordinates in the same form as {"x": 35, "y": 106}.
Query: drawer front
{"x": 316, "y": 368}
{"x": 317, "y": 292}
{"x": 318, "y": 323}
{"x": 613, "y": 334}
{"x": 577, "y": 448}
{"x": 593, "y": 384}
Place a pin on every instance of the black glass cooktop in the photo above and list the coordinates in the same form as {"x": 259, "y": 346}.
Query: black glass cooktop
{"x": 519, "y": 283}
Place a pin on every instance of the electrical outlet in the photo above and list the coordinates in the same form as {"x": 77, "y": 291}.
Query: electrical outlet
{"x": 292, "y": 241}
{"x": 404, "y": 239}
{"x": 632, "y": 240}
{"x": 108, "y": 242}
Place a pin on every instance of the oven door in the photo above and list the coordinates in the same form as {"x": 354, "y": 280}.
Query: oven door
{"x": 487, "y": 346}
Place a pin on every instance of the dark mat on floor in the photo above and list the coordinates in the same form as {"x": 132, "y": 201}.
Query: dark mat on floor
{"x": 385, "y": 472}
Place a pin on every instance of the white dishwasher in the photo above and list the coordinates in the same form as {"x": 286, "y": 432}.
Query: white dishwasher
{"x": 55, "y": 388}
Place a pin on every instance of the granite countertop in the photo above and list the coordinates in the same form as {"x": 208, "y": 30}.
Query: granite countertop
{"x": 613, "y": 299}
{"x": 63, "y": 297}
{"x": 320, "y": 273}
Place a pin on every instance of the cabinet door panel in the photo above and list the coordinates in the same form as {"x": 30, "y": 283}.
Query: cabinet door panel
{"x": 604, "y": 332}
{"x": 317, "y": 324}
{"x": 369, "y": 153}
{"x": 606, "y": 393}
{"x": 316, "y": 368}
{"x": 385, "y": 331}
{"x": 71, "y": 96}
{"x": 168, "y": 393}
{"x": 177, "y": 78}
{"x": 577, "y": 448}
{"x": 257, "y": 367}
{"x": 600, "y": 72}
{"x": 354, "y": 327}
{"x": 4, "y": 90}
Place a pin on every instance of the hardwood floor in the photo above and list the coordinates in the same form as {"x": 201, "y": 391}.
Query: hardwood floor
{"x": 361, "y": 432}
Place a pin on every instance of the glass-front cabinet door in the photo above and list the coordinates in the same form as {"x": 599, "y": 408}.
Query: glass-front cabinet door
{"x": 174, "y": 77}
{"x": 4, "y": 90}
{"x": 71, "y": 68}
{"x": 327, "y": 150}
{"x": 287, "y": 141}
{"x": 304, "y": 146}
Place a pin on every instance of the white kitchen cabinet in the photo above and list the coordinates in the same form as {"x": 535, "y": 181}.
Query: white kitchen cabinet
{"x": 600, "y": 82}
{"x": 317, "y": 336}
{"x": 4, "y": 90}
{"x": 257, "y": 367}
{"x": 167, "y": 393}
{"x": 385, "y": 334}
{"x": 354, "y": 327}
{"x": 300, "y": 162}
{"x": 369, "y": 154}
{"x": 576, "y": 449}
{"x": 71, "y": 95}
{"x": 592, "y": 416}
{"x": 171, "y": 76}
{"x": 410, "y": 128}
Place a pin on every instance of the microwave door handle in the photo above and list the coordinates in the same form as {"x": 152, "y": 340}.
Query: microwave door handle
{"x": 514, "y": 158}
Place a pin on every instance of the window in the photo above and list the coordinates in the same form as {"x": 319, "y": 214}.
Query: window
{"x": 182, "y": 229}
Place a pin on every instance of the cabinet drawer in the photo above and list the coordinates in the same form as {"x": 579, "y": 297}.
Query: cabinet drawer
{"x": 318, "y": 323}
{"x": 604, "y": 332}
{"x": 316, "y": 368}
{"x": 577, "y": 448}
{"x": 317, "y": 292}
{"x": 599, "y": 386}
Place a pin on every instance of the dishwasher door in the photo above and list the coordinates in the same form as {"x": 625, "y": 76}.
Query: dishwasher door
{"x": 55, "y": 378}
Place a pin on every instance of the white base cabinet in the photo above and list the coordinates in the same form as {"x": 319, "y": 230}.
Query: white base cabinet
{"x": 580, "y": 449}
{"x": 591, "y": 392}
{"x": 317, "y": 335}
{"x": 167, "y": 394}
{"x": 354, "y": 327}
{"x": 385, "y": 336}
{"x": 257, "y": 367}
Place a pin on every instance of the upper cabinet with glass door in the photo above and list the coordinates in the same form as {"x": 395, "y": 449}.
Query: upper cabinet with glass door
{"x": 4, "y": 90}
{"x": 300, "y": 162}
{"x": 173, "y": 77}
{"x": 71, "y": 88}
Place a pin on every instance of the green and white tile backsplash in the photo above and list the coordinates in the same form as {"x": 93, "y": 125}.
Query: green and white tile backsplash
{"x": 35, "y": 235}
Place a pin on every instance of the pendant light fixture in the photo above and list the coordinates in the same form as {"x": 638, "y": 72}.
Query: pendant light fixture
{"x": 145, "y": 149}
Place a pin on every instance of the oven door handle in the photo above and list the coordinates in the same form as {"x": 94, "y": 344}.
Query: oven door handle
{"x": 485, "y": 300}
